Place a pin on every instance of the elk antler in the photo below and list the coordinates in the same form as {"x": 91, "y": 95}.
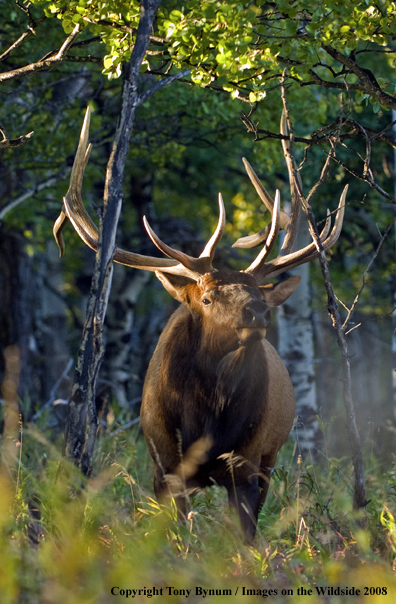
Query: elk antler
{"x": 193, "y": 268}
{"x": 180, "y": 264}
{"x": 286, "y": 258}
{"x": 291, "y": 223}
{"x": 200, "y": 265}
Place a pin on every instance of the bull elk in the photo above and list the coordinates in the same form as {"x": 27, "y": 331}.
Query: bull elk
{"x": 215, "y": 391}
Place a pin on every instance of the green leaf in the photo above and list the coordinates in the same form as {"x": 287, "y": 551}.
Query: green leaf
{"x": 176, "y": 15}
{"x": 108, "y": 62}
{"x": 170, "y": 28}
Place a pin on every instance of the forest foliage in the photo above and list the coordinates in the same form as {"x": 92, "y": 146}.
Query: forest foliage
{"x": 337, "y": 62}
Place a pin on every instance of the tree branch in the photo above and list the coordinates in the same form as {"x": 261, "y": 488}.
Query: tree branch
{"x": 68, "y": 42}
{"x": 356, "y": 300}
{"x": 367, "y": 178}
{"x": 52, "y": 180}
{"x": 15, "y": 142}
{"x": 31, "y": 30}
{"x": 357, "y": 459}
{"x": 161, "y": 84}
{"x": 368, "y": 82}
{"x": 45, "y": 63}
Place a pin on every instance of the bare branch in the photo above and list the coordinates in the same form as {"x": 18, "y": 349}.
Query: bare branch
{"x": 327, "y": 84}
{"x": 161, "y": 84}
{"x": 323, "y": 134}
{"x": 368, "y": 82}
{"x": 52, "y": 180}
{"x": 331, "y": 155}
{"x": 15, "y": 142}
{"x": 84, "y": 59}
{"x": 86, "y": 42}
{"x": 68, "y": 42}
{"x": 44, "y": 63}
{"x": 30, "y": 31}
{"x": 356, "y": 300}
{"x": 388, "y": 314}
{"x": 367, "y": 178}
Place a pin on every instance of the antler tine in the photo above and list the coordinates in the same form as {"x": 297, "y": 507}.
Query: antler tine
{"x": 210, "y": 247}
{"x": 258, "y": 185}
{"x": 258, "y": 238}
{"x": 250, "y": 241}
{"x": 187, "y": 261}
{"x": 291, "y": 223}
{"x": 74, "y": 192}
{"x": 57, "y": 229}
{"x": 257, "y": 264}
{"x": 295, "y": 188}
{"x": 74, "y": 208}
{"x": 187, "y": 266}
{"x": 198, "y": 266}
{"x": 282, "y": 263}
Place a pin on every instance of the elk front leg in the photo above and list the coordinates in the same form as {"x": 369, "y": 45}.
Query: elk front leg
{"x": 245, "y": 499}
{"x": 167, "y": 486}
{"x": 266, "y": 466}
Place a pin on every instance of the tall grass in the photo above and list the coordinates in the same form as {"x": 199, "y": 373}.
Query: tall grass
{"x": 67, "y": 540}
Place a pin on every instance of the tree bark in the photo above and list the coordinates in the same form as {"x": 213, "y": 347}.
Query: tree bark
{"x": 120, "y": 376}
{"x": 296, "y": 347}
{"x": 82, "y": 417}
{"x": 19, "y": 290}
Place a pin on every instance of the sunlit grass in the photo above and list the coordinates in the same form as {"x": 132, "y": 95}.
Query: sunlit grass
{"x": 67, "y": 540}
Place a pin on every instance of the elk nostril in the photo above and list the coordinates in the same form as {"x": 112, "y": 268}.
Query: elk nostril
{"x": 267, "y": 316}
{"x": 248, "y": 316}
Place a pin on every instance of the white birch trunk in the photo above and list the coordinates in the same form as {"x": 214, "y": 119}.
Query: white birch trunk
{"x": 117, "y": 370}
{"x": 296, "y": 347}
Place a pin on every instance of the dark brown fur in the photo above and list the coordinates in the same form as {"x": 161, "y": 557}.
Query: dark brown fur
{"x": 213, "y": 380}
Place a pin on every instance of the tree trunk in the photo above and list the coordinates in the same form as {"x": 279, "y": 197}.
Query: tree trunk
{"x": 120, "y": 377}
{"x": 52, "y": 326}
{"x": 296, "y": 347}
{"x": 18, "y": 287}
{"x": 82, "y": 417}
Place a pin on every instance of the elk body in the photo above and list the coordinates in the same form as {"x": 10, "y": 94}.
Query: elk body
{"x": 217, "y": 394}
{"x": 218, "y": 402}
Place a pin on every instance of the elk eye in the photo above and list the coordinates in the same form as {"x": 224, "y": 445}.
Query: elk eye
{"x": 206, "y": 301}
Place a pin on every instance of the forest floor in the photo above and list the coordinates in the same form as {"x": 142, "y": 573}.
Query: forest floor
{"x": 67, "y": 540}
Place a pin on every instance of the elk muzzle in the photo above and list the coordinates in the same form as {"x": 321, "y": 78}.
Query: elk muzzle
{"x": 255, "y": 321}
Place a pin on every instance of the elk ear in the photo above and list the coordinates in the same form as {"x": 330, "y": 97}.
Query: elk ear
{"x": 276, "y": 293}
{"x": 176, "y": 285}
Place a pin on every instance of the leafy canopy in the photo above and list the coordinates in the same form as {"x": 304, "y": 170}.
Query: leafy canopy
{"x": 242, "y": 48}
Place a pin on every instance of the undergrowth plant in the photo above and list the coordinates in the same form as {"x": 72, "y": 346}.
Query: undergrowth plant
{"x": 65, "y": 539}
